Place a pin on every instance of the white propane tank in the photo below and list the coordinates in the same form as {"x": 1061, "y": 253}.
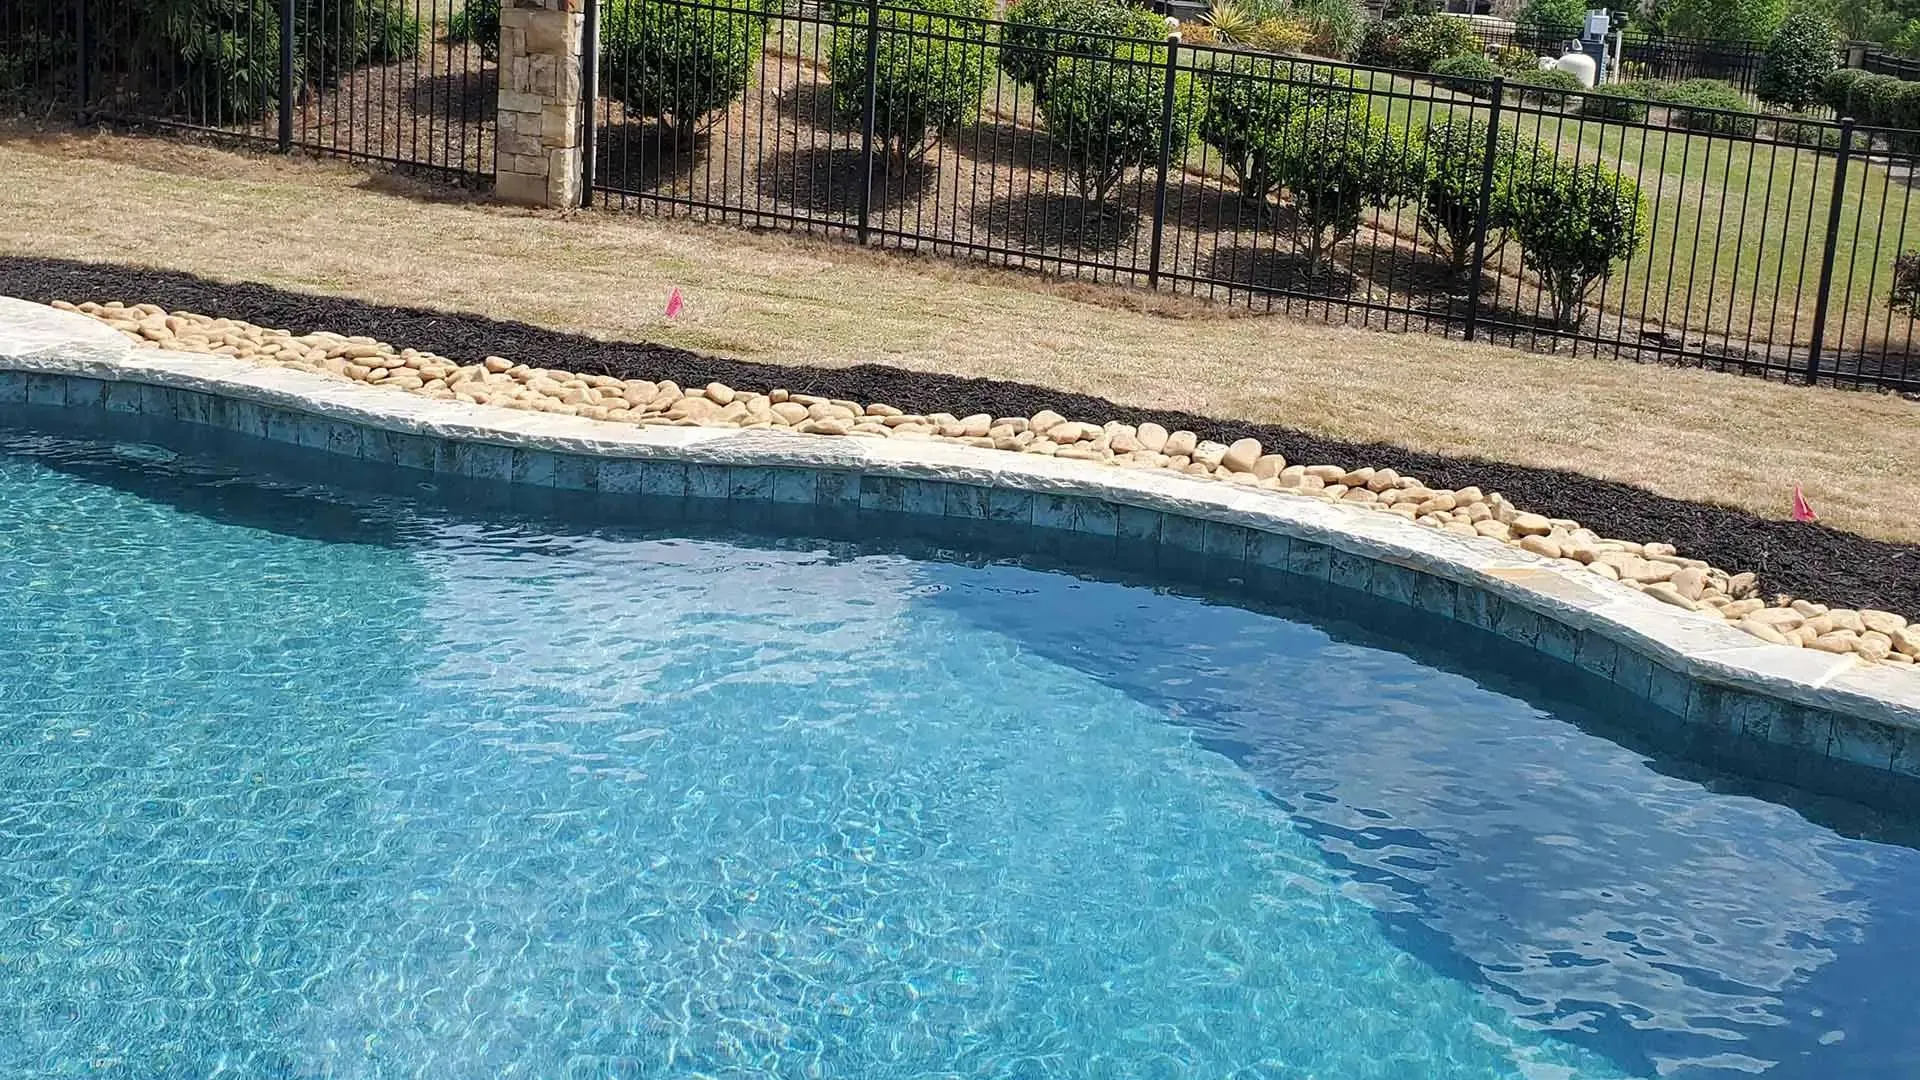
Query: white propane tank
{"x": 1580, "y": 64}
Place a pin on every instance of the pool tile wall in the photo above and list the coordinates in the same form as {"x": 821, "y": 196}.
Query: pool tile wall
{"x": 1867, "y": 723}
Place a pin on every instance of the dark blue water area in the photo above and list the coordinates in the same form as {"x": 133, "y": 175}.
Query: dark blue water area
{"x": 309, "y": 770}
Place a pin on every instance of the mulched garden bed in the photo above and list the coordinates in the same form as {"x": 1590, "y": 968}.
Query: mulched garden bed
{"x": 1808, "y": 560}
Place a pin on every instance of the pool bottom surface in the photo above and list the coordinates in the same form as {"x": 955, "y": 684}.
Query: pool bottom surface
{"x": 310, "y": 783}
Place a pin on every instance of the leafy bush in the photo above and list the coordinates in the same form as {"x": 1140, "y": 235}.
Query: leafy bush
{"x": 1838, "y": 88}
{"x": 337, "y": 36}
{"x": 1552, "y": 18}
{"x": 1798, "y": 61}
{"x": 1249, "y": 104}
{"x": 1037, "y": 32}
{"x": 1450, "y": 203}
{"x": 1688, "y": 104}
{"x": 1417, "y": 42}
{"x": 1337, "y": 161}
{"x": 1284, "y": 34}
{"x": 930, "y": 70}
{"x": 1813, "y": 133}
{"x": 1573, "y": 223}
{"x": 1103, "y": 114}
{"x": 1514, "y": 60}
{"x": 1337, "y": 25}
{"x": 1467, "y": 74}
{"x": 477, "y": 21}
{"x": 1619, "y": 101}
{"x": 1231, "y": 24}
{"x": 1724, "y": 20}
{"x": 1547, "y": 89}
{"x": 677, "y": 65}
{"x": 1905, "y": 297}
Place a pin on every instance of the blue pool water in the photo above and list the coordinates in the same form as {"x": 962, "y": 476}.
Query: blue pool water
{"x": 324, "y": 782}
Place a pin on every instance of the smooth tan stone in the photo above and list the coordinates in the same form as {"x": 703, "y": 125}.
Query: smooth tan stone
{"x": 1525, "y": 524}
{"x": 1181, "y": 444}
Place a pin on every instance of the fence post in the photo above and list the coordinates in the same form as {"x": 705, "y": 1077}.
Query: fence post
{"x": 1826, "y": 257}
{"x": 589, "y": 96}
{"x": 83, "y": 35}
{"x": 537, "y": 111}
{"x": 1484, "y": 211}
{"x": 286, "y": 76}
{"x": 1168, "y": 91}
{"x": 868, "y": 118}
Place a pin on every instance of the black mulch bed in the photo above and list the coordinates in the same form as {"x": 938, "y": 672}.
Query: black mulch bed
{"x": 1814, "y": 561}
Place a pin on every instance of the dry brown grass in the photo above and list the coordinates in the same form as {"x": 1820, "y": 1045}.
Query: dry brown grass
{"x": 329, "y": 228}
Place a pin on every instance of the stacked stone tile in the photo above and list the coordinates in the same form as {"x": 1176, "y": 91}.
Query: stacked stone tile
{"x": 1655, "y": 569}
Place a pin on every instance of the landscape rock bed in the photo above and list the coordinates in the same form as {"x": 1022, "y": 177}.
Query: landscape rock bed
{"x": 1654, "y": 568}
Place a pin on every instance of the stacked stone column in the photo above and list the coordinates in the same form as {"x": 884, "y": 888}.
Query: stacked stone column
{"x": 538, "y": 153}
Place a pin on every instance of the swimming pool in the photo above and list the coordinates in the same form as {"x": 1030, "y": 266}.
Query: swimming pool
{"x": 359, "y": 778}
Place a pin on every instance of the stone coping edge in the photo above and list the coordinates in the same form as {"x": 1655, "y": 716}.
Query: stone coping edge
{"x": 38, "y": 340}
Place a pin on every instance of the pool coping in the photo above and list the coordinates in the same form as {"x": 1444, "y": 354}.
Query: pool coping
{"x": 45, "y": 346}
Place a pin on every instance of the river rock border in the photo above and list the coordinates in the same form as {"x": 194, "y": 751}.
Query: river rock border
{"x": 1821, "y": 706}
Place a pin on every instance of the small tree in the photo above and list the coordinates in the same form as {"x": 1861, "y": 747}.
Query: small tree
{"x": 675, "y": 64}
{"x": 1799, "y": 59}
{"x": 1552, "y": 18}
{"x": 1573, "y": 222}
{"x": 1450, "y": 202}
{"x": 1039, "y": 32}
{"x": 1725, "y": 20}
{"x": 1103, "y": 114}
{"x": 1337, "y": 161}
{"x": 1249, "y": 103}
{"x": 931, "y": 68}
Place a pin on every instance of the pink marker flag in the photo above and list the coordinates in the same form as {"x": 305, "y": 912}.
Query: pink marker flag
{"x": 673, "y": 302}
{"x": 1802, "y": 511}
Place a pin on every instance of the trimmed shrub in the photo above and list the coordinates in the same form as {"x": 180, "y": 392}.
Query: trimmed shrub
{"x": 1620, "y": 101}
{"x": 1037, "y": 32}
{"x": 1336, "y": 162}
{"x": 1547, "y": 89}
{"x": 1515, "y": 60}
{"x": 1814, "y": 133}
{"x": 1573, "y": 223}
{"x": 1724, "y": 20}
{"x": 1103, "y": 114}
{"x": 1417, "y": 42}
{"x": 930, "y": 70}
{"x": 1552, "y": 18}
{"x": 477, "y": 21}
{"x": 1837, "y": 89}
{"x": 677, "y": 65}
{"x": 1450, "y": 202}
{"x": 1337, "y": 25}
{"x": 1469, "y": 74}
{"x": 1798, "y": 61}
{"x": 1688, "y": 104}
{"x": 1248, "y": 106}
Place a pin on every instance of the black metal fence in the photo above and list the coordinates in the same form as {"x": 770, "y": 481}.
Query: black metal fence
{"x": 403, "y": 82}
{"x": 1886, "y": 63}
{"x": 1662, "y": 59}
{"x": 1352, "y": 195}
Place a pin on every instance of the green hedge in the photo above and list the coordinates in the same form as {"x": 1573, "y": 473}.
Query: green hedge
{"x": 1249, "y": 103}
{"x": 1417, "y": 42}
{"x": 931, "y": 67}
{"x": 676, "y": 65}
{"x": 1574, "y": 223}
{"x": 1709, "y": 105}
{"x": 218, "y": 59}
{"x": 1618, "y": 101}
{"x": 1335, "y": 163}
{"x": 1103, "y": 114}
{"x": 1471, "y": 73}
{"x": 1037, "y": 32}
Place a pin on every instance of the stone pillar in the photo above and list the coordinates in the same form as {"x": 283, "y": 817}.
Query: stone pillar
{"x": 538, "y": 153}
